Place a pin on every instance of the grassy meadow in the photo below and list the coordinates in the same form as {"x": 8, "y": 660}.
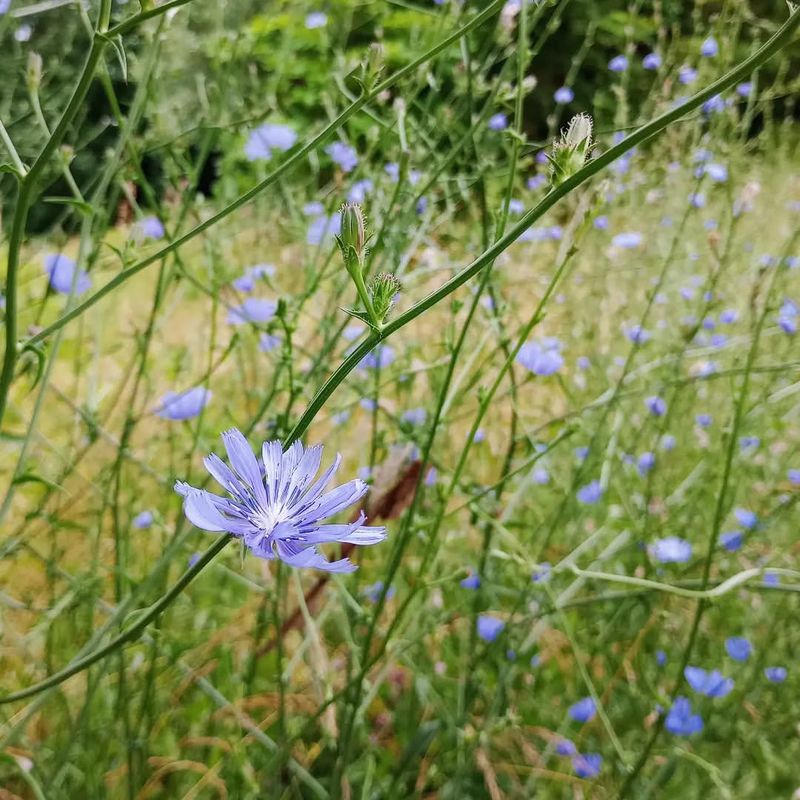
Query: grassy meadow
{"x": 559, "y": 362}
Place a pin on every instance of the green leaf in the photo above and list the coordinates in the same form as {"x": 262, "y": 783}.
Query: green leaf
{"x": 80, "y": 205}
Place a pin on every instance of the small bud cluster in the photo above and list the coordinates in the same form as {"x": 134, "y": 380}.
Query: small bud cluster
{"x": 571, "y": 150}
{"x": 383, "y": 291}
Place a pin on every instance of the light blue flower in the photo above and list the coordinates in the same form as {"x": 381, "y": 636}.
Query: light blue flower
{"x": 627, "y": 240}
{"x": 711, "y": 684}
{"x": 489, "y": 627}
{"x": 343, "y": 155}
{"x": 281, "y": 512}
{"x": 61, "y": 272}
{"x": 681, "y": 721}
{"x": 143, "y": 520}
{"x": 776, "y": 674}
{"x": 541, "y": 357}
{"x": 738, "y": 648}
{"x": 746, "y": 518}
{"x": 498, "y": 122}
{"x": 253, "y": 309}
{"x": 590, "y": 493}
{"x": 266, "y": 138}
{"x": 671, "y": 550}
{"x": 564, "y": 95}
{"x": 587, "y": 765}
{"x": 316, "y": 19}
{"x": 583, "y": 710}
{"x": 618, "y": 63}
{"x": 651, "y": 61}
{"x": 709, "y": 47}
{"x": 183, "y": 405}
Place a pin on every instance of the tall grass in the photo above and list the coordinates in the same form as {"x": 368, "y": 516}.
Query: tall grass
{"x": 579, "y": 422}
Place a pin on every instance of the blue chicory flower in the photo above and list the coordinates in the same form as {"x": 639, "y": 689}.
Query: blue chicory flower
{"x": 627, "y": 240}
{"x": 472, "y": 581}
{"x": 268, "y": 342}
{"x": 651, "y": 61}
{"x": 183, "y": 405}
{"x": 316, "y": 19}
{"x": 374, "y": 590}
{"x": 498, "y": 122}
{"x": 681, "y": 721}
{"x": 343, "y": 155}
{"x": 746, "y": 518}
{"x": 711, "y": 684}
{"x": 590, "y": 493}
{"x": 671, "y": 550}
{"x": 587, "y": 765}
{"x": 709, "y": 47}
{"x": 776, "y": 674}
{"x": 143, "y": 520}
{"x": 489, "y": 627}
{"x": 541, "y": 357}
{"x": 281, "y": 512}
{"x": 253, "y": 309}
{"x": 266, "y": 138}
{"x": 732, "y": 540}
{"x": 656, "y": 405}
{"x": 583, "y": 710}
{"x": 618, "y": 63}
{"x": 564, "y": 747}
{"x": 738, "y": 648}
{"x": 564, "y": 95}
{"x": 61, "y": 272}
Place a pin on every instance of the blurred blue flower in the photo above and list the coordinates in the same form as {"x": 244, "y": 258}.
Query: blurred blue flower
{"x": 542, "y": 572}
{"x": 343, "y": 155}
{"x": 472, "y": 581}
{"x": 627, "y": 240}
{"x": 656, "y": 405}
{"x": 732, "y": 541}
{"x": 788, "y": 317}
{"x": 183, "y": 405}
{"x": 749, "y": 443}
{"x": 713, "y": 106}
{"x": 149, "y": 228}
{"x": 266, "y": 138}
{"x": 637, "y": 334}
{"x": 711, "y": 684}
{"x": 542, "y": 357}
{"x": 717, "y": 172}
{"x": 697, "y": 200}
{"x": 793, "y": 476}
{"x": 281, "y": 512}
{"x": 541, "y": 476}
{"x": 687, "y": 75}
{"x": 564, "y": 747}
{"x": 246, "y": 282}
{"x": 651, "y": 61}
{"x": 564, "y": 95}
{"x": 671, "y": 550}
{"x": 709, "y": 47}
{"x": 703, "y": 420}
{"x": 583, "y": 710}
{"x": 415, "y": 416}
{"x": 661, "y": 658}
{"x": 378, "y": 358}
{"x": 646, "y": 462}
{"x": 738, "y": 648}
{"x": 618, "y": 63}
{"x": 515, "y": 206}
{"x": 324, "y": 228}
{"x": 489, "y": 627}
{"x": 268, "y": 342}
{"x": 143, "y": 520}
{"x": 744, "y": 89}
{"x": 313, "y": 209}
{"x": 498, "y": 122}
{"x": 590, "y": 493}
{"x": 373, "y": 591}
{"x": 772, "y": 579}
{"x": 61, "y": 272}
{"x": 667, "y": 442}
{"x": 480, "y": 436}
{"x": 776, "y": 674}
{"x": 316, "y": 19}
{"x": 587, "y": 765}
{"x": 431, "y": 477}
{"x": 359, "y": 191}
{"x": 729, "y": 316}
{"x": 601, "y": 223}
{"x": 253, "y": 309}
{"x": 746, "y": 518}
{"x": 681, "y": 721}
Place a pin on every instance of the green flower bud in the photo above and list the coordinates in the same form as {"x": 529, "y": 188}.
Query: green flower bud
{"x": 34, "y": 75}
{"x": 571, "y": 150}
{"x": 382, "y": 293}
{"x": 353, "y": 237}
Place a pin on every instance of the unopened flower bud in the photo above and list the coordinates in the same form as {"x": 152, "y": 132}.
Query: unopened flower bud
{"x": 353, "y": 237}
{"x": 34, "y": 71}
{"x": 571, "y": 150}
{"x": 382, "y": 293}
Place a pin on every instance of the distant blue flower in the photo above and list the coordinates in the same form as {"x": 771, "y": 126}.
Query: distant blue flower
{"x": 618, "y": 63}
{"x": 746, "y": 518}
{"x": 268, "y": 342}
{"x": 711, "y": 684}
{"x": 61, "y": 272}
{"x": 713, "y": 105}
{"x": 541, "y": 476}
{"x": 651, "y": 61}
{"x": 536, "y": 182}
{"x": 729, "y": 316}
{"x": 671, "y": 550}
{"x": 564, "y": 95}
{"x": 472, "y": 581}
{"x": 709, "y": 47}
{"x": 661, "y": 658}
{"x": 511, "y": 655}
{"x": 583, "y": 710}
{"x": 564, "y": 747}
{"x": 253, "y": 309}
{"x": 697, "y": 200}
{"x": 480, "y": 436}
{"x": 515, "y": 206}
{"x": 601, "y": 223}
{"x": 687, "y": 75}
{"x": 343, "y": 155}
{"x": 703, "y": 420}
{"x": 776, "y": 674}
{"x": 581, "y": 452}
{"x": 247, "y": 281}
{"x": 744, "y": 89}
{"x": 143, "y": 520}
{"x": 590, "y": 493}
{"x": 772, "y": 579}
{"x": 680, "y": 721}
{"x": 313, "y": 209}
{"x": 415, "y": 416}
{"x": 667, "y": 442}
{"x": 150, "y": 228}
{"x": 183, "y": 405}
{"x": 587, "y": 765}
{"x": 656, "y": 405}
{"x": 717, "y": 172}
{"x": 637, "y": 334}
{"x": 266, "y": 138}
{"x": 431, "y": 477}
{"x": 324, "y": 228}
{"x": 379, "y": 358}
{"x": 738, "y": 648}
{"x": 749, "y": 443}
{"x": 359, "y": 191}
{"x": 498, "y": 122}
{"x": 316, "y": 19}
{"x": 732, "y": 541}
{"x": 4, "y": 6}
{"x": 280, "y": 513}
{"x": 541, "y": 357}
{"x": 536, "y": 660}
{"x": 646, "y": 462}
{"x": 422, "y": 205}
{"x": 489, "y": 627}
{"x": 793, "y": 475}
{"x": 542, "y": 572}
{"x": 788, "y": 317}
{"x": 373, "y": 592}
{"x": 627, "y": 240}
